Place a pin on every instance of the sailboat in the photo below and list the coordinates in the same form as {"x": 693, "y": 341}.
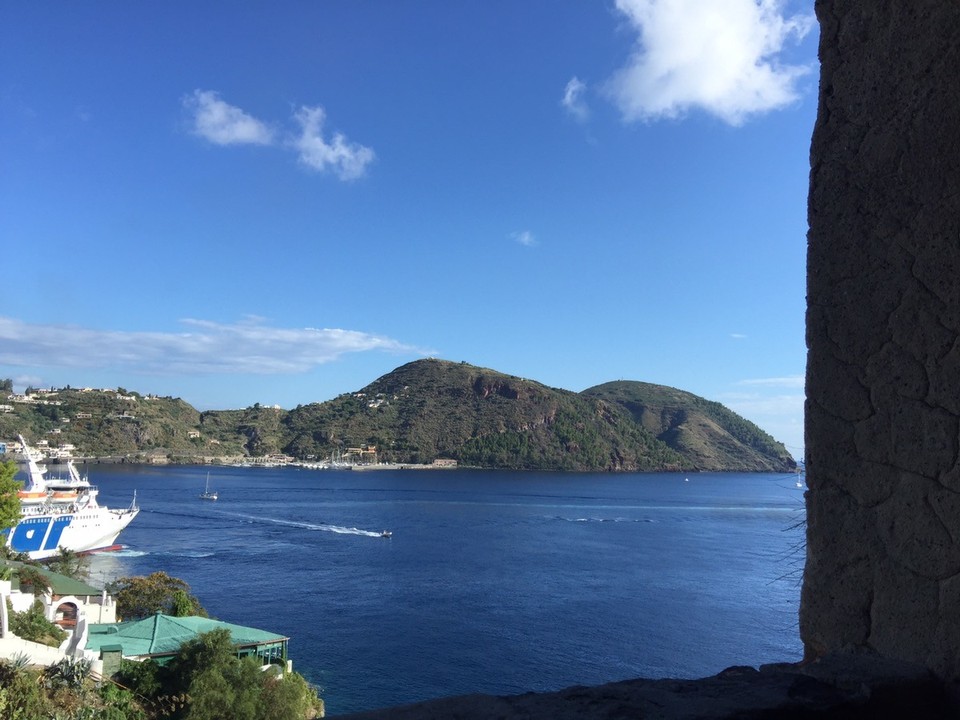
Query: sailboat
{"x": 207, "y": 494}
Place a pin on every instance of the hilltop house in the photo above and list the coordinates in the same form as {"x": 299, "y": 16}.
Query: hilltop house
{"x": 88, "y": 615}
{"x": 68, "y": 603}
{"x": 159, "y": 638}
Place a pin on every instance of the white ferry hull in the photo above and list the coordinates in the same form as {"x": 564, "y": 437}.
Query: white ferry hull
{"x": 42, "y": 536}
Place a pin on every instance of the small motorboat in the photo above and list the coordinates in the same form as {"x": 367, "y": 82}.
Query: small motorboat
{"x": 386, "y": 534}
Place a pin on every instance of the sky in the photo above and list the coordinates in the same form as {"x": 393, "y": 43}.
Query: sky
{"x": 239, "y": 203}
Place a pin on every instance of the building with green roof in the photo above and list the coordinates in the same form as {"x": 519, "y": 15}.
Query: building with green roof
{"x": 60, "y": 585}
{"x": 67, "y": 600}
{"x": 159, "y": 638}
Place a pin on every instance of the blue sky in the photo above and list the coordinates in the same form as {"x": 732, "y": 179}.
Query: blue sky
{"x": 241, "y": 202}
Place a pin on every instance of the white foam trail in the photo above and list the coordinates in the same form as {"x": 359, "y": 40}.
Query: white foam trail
{"x": 346, "y": 530}
{"x": 322, "y": 527}
{"x": 604, "y": 520}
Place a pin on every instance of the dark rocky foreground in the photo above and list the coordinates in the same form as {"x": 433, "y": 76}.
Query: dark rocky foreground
{"x": 835, "y": 687}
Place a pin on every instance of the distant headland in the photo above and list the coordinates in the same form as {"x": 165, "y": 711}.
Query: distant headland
{"x": 427, "y": 413}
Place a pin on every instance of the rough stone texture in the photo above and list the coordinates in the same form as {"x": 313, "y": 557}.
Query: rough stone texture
{"x": 883, "y": 334}
{"x": 851, "y": 687}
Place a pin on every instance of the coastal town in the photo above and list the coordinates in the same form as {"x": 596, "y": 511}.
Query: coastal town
{"x": 120, "y": 406}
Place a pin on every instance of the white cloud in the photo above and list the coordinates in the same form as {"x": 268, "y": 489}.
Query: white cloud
{"x": 717, "y": 55}
{"x": 206, "y": 348}
{"x": 223, "y": 124}
{"x": 27, "y": 380}
{"x": 779, "y": 413}
{"x": 573, "y": 100}
{"x": 758, "y": 404}
{"x": 348, "y": 160}
{"x": 738, "y": 336}
{"x": 524, "y": 237}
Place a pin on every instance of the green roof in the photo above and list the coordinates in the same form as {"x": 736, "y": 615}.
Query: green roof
{"x": 164, "y": 634}
{"x": 60, "y": 584}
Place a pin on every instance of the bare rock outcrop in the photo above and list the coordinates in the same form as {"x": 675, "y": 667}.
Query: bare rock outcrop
{"x": 834, "y": 688}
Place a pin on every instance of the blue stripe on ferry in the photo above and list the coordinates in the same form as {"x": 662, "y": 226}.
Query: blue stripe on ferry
{"x": 28, "y": 535}
{"x": 56, "y": 531}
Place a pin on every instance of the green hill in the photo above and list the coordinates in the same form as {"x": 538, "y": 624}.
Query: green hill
{"x": 421, "y": 411}
{"x": 710, "y": 435}
{"x": 433, "y": 408}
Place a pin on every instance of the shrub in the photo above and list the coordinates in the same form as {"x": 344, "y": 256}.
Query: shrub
{"x": 143, "y": 596}
{"x": 32, "y": 625}
{"x": 207, "y": 681}
{"x": 67, "y": 672}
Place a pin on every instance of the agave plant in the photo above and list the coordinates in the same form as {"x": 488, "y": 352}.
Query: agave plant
{"x": 19, "y": 662}
{"x": 11, "y": 668}
{"x": 67, "y": 672}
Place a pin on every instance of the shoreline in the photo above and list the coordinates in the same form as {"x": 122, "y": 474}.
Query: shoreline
{"x": 399, "y": 466}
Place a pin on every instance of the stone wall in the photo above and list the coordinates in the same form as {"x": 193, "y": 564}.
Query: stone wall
{"x": 883, "y": 334}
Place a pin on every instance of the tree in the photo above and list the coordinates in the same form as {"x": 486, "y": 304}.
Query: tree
{"x": 290, "y": 696}
{"x": 183, "y": 604}
{"x": 70, "y": 563}
{"x": 32, "y": 624}
{"x": 7, "y": 553}
{"x": 32, "y": 580}
{"x": 9, "y": 502}
{"x": 222, "y": 685}
{"x": 142, "y": 677}
{"x": 142, "y": 596}
{"x": 218, "y": 683}
{"x": 206, "y": 680}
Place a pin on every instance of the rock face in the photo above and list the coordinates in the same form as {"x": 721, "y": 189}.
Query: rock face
{"x": 834, "y": 688}
{"x": 883, "y": 334}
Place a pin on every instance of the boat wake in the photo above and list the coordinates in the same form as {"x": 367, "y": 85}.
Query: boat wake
{"x": 606, "y": 520}
{"x": 322, "y": 527}
{"x": 347, "y": 531}
{"x": 195, "y": 554}
{"x": 128, "y": 553}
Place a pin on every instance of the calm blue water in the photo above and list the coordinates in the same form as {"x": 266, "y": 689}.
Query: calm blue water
{"x": 493, "y": 582}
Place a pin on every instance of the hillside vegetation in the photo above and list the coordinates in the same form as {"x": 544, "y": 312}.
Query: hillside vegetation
{"x": 421, "y": 411}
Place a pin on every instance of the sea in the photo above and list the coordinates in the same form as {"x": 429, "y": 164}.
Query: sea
{"x": 492, "y": 582}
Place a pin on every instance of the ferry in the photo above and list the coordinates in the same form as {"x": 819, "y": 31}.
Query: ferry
{"x": 63, "y": 514}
